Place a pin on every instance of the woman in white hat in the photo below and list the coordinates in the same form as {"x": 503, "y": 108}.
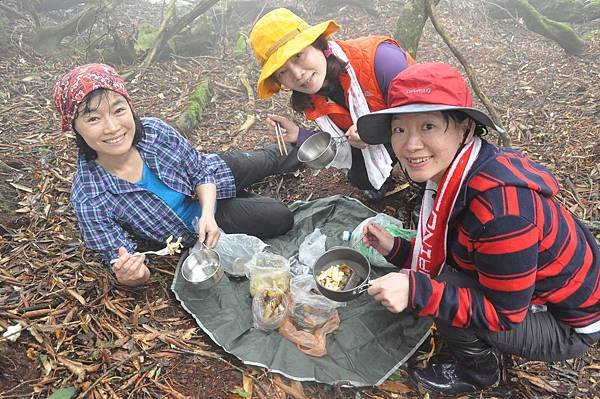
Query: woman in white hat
{"x": 520, "y": 271}
{"x": 333, "y": 82}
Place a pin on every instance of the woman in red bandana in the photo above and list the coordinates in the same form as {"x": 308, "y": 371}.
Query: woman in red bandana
{"x": 520, "y": 272}
{"x": 139, "y": 179}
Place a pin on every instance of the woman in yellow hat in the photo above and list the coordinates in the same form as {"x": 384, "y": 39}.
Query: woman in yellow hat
{"x": 333, "y": 82}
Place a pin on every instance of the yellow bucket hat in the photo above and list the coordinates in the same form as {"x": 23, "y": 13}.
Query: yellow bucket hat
{"x": 276, "y": 37}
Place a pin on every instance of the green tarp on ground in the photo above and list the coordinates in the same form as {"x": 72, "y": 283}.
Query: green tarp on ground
{"x": 370, "y": 343}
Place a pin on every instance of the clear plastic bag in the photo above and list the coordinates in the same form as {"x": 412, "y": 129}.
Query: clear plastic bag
{"x": 310, "y": 310}
{"x": 391, "y": 224}
{"x": 312, "y": 247}
{"x": 236, "y": 249}
{"x": 267, "y": 270}
{"x": 269, "y": 308}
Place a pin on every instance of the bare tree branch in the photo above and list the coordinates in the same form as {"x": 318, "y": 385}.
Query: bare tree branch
{"x": 504, "y": 138}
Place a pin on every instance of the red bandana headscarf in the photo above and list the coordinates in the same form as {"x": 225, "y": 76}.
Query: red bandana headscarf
{"x": 75, "y": 85}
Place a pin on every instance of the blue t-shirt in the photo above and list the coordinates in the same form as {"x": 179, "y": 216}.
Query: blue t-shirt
{"x": 185, "y": 207}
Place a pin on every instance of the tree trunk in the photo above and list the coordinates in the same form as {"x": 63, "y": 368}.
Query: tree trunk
{"x": 167, "y": 30}
{"x": 538, "y": 23}
{"x": 557, "y": 31}
{"x": 409, "y": 27}
{"x": 557, "y": 10}
{"x": 52, "y": 5}
{"x": 337, "y": 4}
{"x": 46, "y": 39}
{"x": 568, "y": 10}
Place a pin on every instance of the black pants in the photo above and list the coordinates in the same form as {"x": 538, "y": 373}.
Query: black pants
{"x": 250, "y": 213}
{"x": 539, "y": 337}
{"x": 357, "y": 175}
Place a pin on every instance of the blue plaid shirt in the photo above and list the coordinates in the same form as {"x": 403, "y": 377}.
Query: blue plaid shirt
{"x": 111, "y": 211}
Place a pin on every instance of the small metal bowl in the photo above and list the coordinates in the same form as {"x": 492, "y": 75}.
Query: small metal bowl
{"x": 318, "y": 151}
{"x": 202, "y": 268}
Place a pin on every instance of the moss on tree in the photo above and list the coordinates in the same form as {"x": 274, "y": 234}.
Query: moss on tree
{"x": 198, "y": 102}
{"x": 557, "y": 31}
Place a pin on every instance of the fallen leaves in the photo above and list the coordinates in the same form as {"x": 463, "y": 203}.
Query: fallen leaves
{"x": 395, "y": 387}
{"x": 535, "y": 380}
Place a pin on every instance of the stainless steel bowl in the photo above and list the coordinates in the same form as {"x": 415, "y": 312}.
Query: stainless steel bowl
{"x": 202, "y": 268}
{"x": 318, "y": 151}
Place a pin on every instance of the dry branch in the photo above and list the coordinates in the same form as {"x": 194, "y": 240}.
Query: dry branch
{"x": 504, "y": 138}
{"x": 250, "y": 118}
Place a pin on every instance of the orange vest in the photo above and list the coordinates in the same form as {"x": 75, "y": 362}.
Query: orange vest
{"x": 361, "y": 54}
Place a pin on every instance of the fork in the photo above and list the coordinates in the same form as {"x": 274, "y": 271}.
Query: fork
{"x": 357, "y": 242}
{"x": 160, "y": 252}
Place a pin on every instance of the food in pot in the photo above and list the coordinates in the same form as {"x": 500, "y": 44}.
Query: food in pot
{"x": 174, "y": 247}
{"x": 335, "y": 277}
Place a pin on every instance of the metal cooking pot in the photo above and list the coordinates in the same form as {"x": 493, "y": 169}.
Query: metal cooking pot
{"x": 351, "y": 257}
{"x": 318, "y": 151}
{"x": 202, "y": 268}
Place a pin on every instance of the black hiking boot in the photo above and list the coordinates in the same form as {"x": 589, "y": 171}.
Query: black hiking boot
{"x": 471, "y": 370}
{"x": 377, "y": 195}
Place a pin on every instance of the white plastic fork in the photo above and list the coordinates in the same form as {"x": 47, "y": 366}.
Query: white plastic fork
{"x": 160, "y": 252}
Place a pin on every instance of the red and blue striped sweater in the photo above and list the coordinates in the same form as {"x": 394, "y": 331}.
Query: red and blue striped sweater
{"x": 508, "y": 231}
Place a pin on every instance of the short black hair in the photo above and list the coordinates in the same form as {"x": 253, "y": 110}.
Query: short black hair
{"x": 459, "y": 116}
{"x": 84, "y": 149}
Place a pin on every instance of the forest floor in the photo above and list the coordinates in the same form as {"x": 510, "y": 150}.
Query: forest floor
{"x": 86, "y": 331}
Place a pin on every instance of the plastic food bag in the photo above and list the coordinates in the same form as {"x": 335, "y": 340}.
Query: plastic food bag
{"x": 269, "y": 308}
{"x": 267, "y": 270}
{"x": 312, "y": 343}
{"x": 312, "y": 247}
{"x": 297, "y": 268}
{"x": 311, "y": 317}
{"x": 237, "y": 249}
{"x": 310, "y": 310}
{"x": 391, "y": 224}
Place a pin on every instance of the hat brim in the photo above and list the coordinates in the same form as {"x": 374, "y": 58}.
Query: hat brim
{"x": 267, "y": 87}
{"x": 375, "y": 128}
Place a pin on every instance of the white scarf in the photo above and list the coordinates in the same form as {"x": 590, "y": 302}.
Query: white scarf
{"x": 429, "y": 253}
{"x": 377, "y": 160}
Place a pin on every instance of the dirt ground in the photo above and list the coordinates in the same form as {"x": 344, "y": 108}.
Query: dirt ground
{"x": 87, "y": 332}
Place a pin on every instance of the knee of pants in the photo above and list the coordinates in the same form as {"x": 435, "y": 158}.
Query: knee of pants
{"x": 281, "y": 221}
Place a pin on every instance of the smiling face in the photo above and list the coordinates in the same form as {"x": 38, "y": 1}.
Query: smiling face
{"x": 106, "y": 123}
{"x": 426, "y": 143}
{"x": 304, "y": 72}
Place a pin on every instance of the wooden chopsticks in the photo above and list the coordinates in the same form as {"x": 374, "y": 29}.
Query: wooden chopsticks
{"x": 280, "y": 142}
